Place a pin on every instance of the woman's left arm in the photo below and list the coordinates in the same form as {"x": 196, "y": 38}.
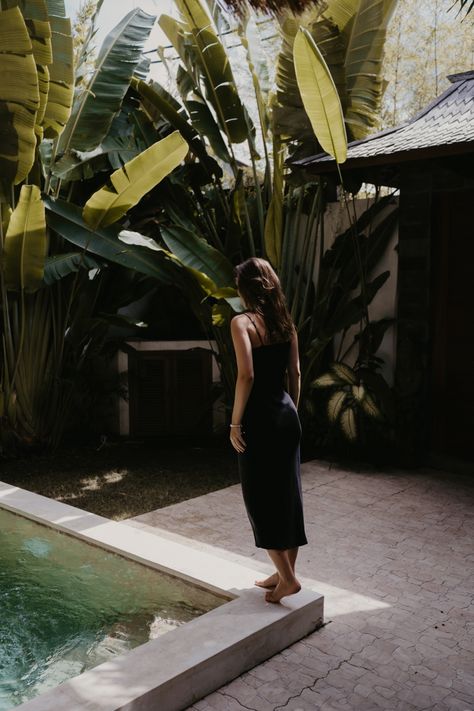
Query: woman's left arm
{"x": 244, "y": 382}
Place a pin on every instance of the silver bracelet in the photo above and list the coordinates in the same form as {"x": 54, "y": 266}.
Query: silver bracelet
{"x": 235, "y": 425}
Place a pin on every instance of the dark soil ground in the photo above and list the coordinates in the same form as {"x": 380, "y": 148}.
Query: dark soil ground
{"x": 124, "y": 479}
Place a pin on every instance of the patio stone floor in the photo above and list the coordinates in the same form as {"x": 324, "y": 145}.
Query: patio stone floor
{"x": 393, "y": 554}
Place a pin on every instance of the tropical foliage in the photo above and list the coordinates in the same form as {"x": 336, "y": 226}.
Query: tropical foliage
{"x": 261, "y": 209}
{"x": 111, "y": 182}
{"x": 57, "y": 304}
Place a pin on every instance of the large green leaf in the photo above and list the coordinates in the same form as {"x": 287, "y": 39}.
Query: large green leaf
{"x": 35, "y": 14}
{"x": 274, "y": 221}
{"x": 289, "y": 118}
{"x": 66, "y": 219}
{"x": 19, "y": 98}
{"x": 320, "y": 97}
{"x": 215, "y": 68}
{"x": 364, "y": 64}
{"x": 350, "y": 35}
{"x": 96, "y": 105}
{"x": 56, "y": 7}
{"x": 204, "y": 123}
{"x": 155, "y": 95}
{"x": 342, "y": 13}
{"x": 61, "y": 265}
{"x": 350, "y": 313}
{"x": 61, "y": 76}
{"x": 130, "y": 183}
{"x": 196, "y": 253}
{"x": 129, "y": 134}
{"x": 26, "y": 242}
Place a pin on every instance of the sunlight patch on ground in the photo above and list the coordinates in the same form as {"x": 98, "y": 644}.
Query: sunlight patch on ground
{"x": 67, "y": 497}
{"x": 97, "y": 482}
{"x": 337, "y": 600}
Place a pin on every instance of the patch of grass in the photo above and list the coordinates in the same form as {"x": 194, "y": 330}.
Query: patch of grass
{"x": 125, "y": 479}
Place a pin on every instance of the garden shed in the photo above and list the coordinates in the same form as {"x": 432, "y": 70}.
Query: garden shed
{"x": 430, "y": 159}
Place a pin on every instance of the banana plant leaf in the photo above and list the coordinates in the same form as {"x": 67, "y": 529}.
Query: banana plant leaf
{"x": 124, "y": 141}
{"x": 196, "y": 253}
{"x": 175, "y": 31}
{"x": 5, "y": 214}
{"x": 330, "y": 41}
{"x": 56, "y": 7}
{"x": 66, "y": 219}
{"x": 231, "y": 296}
{"x": 320, "y": 97}
{"x": 363, "y": 64}
{"x": 35, "y": 14}
{"x": 155, "y": 95}
{"x": 61, "y": 77}
{"x": 342, "y": 13}
{"x": 289, "y": 119}
{"x": 371, "y": 337}
{"x": 351, "y": 313}
{"x": 274, "y": 221}
{"x": 204, "y": 123}
{"x": 215, "y": 68}
{"x": 96, "y": 105}
{"x": 137, "y": 177}
{"x": 61, "y": 265}
{"x": 26, "y": 242}
{"x": 19, "y": 99}
{"x": 341, "y": 259}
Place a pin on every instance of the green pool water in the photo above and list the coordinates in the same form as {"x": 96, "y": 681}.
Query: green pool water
{"x": 66, "y": 606}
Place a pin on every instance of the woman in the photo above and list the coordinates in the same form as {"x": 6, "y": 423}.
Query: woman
{"x": 265, "y": 429}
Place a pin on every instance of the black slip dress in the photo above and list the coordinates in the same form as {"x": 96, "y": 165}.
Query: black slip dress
{"x": 269, "y": 467}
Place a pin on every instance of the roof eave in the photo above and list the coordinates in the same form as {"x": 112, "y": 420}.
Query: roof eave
{"x": 322, "y": 166}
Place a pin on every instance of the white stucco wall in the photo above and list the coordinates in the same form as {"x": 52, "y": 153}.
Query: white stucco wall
{"x": 384, "y": 305}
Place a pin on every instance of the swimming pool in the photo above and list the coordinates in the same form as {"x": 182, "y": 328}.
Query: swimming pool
{"x": 174, "y": 670}
{"x": 67, "y": 606}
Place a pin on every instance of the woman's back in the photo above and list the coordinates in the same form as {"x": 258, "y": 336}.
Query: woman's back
{"x": 270, "y": 362}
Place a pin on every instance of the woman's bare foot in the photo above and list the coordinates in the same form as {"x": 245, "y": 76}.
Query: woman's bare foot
{"x": 284, "y": 588}
{"x": 270, "y": 582}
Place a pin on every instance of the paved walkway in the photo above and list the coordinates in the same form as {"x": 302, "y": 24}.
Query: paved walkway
{"x": 393, "y": 555}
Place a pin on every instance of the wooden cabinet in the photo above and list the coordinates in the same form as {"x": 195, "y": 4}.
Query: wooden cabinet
{"x": 170, "y": 392}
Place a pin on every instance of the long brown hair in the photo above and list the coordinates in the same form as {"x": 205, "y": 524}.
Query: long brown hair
{"x": 261, "y": 291}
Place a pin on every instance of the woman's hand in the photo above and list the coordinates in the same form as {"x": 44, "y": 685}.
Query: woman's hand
{"x": 237, "y": 439}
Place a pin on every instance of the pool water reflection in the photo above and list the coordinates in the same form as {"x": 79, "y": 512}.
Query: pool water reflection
{"x": 67, "y": 606}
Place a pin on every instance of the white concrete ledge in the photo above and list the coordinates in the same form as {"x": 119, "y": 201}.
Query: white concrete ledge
{"x": 173, "y": 671}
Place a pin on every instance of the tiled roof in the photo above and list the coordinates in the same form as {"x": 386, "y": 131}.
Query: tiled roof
{"x": 448, "y": 120}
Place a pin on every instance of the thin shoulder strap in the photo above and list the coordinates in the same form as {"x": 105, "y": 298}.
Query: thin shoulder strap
{"x": 255, "y": 327}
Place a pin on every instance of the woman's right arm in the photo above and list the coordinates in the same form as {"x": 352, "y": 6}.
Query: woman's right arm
{"x": 244, "y": 382}
{"x": 294, "y": 373}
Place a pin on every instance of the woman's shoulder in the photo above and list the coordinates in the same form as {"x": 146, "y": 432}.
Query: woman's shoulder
{"x": 239, "y": 322}
{"x": 239, "y": 318}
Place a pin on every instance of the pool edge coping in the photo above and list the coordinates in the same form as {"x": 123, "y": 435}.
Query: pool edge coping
{"x": 256, "y": 637}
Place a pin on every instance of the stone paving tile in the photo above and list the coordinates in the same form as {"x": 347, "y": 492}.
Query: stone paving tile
{"x": 392, "y": 552}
